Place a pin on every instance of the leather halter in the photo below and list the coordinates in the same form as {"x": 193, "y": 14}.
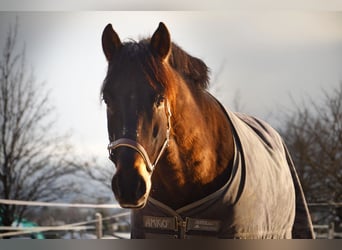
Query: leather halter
{"x": 129, "y": 143}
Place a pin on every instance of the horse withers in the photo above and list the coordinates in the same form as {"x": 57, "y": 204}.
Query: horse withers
{"x": 186, "y": 166}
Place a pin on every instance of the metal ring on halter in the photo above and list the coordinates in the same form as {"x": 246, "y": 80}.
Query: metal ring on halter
{"x": 126, "y": 142}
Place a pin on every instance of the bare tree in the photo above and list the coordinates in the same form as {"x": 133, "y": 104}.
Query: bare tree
{"x": 34, "y": 160}
{"x": 313, "y": 134}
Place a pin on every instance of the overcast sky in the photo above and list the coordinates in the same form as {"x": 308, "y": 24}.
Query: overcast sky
{"x": 265, "y": 56}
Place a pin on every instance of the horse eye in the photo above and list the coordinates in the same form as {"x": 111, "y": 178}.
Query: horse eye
{"x": 159, "y": 100}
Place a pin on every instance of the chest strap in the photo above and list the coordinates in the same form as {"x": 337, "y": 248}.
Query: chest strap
{"x": 176, "y": 227}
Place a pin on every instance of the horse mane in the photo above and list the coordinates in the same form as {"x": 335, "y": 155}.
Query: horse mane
{"x": 192, "y": 69}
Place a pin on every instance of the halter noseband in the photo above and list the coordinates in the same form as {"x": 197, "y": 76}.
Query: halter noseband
{"x": 129, "y": 143}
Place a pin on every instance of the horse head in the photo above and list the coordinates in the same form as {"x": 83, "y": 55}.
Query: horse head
{"x": 138, "y": 111}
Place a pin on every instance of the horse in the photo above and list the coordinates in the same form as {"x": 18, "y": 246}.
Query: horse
{"x": 186, "y": 166}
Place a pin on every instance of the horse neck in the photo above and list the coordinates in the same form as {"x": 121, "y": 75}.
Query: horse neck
{"x": 200, "y": 153}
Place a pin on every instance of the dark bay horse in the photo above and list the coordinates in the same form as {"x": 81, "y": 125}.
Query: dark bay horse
{"x": 186, "y": 166}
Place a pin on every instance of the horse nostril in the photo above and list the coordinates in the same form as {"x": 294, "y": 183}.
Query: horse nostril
{"x": 141, "y": 188}
{"x": 115, "y": 185}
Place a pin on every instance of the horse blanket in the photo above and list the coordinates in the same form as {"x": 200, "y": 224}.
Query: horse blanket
{"x": 262, "y": 198}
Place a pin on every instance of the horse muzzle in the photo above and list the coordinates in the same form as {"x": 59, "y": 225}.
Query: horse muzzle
{"x": 132, "y": 186}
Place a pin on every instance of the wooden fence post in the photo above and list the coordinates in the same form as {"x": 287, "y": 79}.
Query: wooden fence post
{"x": 331, "y": 232}
{"x": 98, "y": 225}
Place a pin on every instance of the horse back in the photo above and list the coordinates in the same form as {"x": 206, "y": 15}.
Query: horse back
{"x": 277, "y": 181}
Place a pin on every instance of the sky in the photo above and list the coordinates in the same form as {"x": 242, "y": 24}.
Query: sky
{"x": 264, "y": 59}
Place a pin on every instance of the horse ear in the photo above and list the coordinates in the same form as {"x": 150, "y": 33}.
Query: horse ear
{"x": 110, "y": 41}
{"x": 161, "y": 41}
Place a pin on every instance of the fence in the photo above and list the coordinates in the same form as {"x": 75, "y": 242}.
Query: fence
{"x": 331, "y": 229}
{"x": 95, "y": 224}
{"x": 324, "y": 231}
{"x": 327, "y": 231}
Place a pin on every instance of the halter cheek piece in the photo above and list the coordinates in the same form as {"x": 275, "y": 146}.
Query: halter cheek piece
{"x": 129, "y": 143}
